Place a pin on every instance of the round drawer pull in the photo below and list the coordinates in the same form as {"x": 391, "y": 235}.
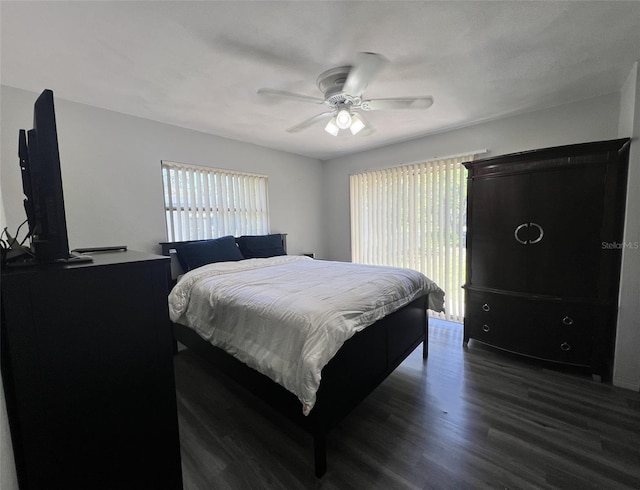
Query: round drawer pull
{"x": 565, "y": 347}
{"x": 567, "y": 320}
{"x": 485, "y": 328}
{"x": 485, "y": 307}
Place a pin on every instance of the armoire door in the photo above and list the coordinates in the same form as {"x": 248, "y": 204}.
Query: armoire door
{"x": 499, "y": 206}
{"x": 566, "y": 217}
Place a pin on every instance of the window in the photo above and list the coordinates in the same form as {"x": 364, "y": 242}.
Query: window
{"x": 202, "y": 202}
{"x": 414, "y": 216}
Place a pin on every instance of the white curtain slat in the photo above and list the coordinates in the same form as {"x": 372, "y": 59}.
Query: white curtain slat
{"x": 189, "y": 205}
{"x": 173, "y": 176}
{"x": 371, "y": 221}
{"x": 186, "y": 209}
{"x": 248, "y": 205}
{"x": 355, "y": 189}
{"x": 202, "y": 207}
{"x": 236, "y": 222}
{"x": 197, "y": 206}
{"x": 228, "y": 215}
{"x": 241, "y": 217}
{"x": 431, "y": 205}
{"x": 190, "y": 211}
{"x": 367, "y": 259}
{"x": 252, "y": 209}
{"x": 208, "y": 208}
{"x": 193, "y": 206}
{"x": 254, "y": 191}
{"x": 420, "y": 212}
{"x": 168, "y": 201}
{"x": 414, "y": 216}
{"x": 223, "y": 206}
{"x": 447, "y": 271}
{"x": 265, "y": 206}
{"x": 195, "y": 202}
{"x": 394, "y": 211}
{"x": 401, "y": 259}
{"x": 374, "y": 210}
{"x": 182, "y": 200}
{"x": 243, "y": 203}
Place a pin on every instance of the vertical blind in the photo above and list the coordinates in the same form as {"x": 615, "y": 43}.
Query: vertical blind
{"x": 414, "y": 216}
{"x": 202, "y": 202}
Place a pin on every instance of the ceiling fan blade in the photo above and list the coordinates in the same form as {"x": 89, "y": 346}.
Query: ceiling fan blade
{"x": 312, "y": 120}
{"x": 397, "y": 103}
{"x": 366, "y": 68}
{"x": 289, "y": 95}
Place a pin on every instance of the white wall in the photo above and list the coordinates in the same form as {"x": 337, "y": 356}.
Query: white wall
{"x": 627, "y": 366}
{"x": 113, "y": 185}
{"x": 591, "y": 120}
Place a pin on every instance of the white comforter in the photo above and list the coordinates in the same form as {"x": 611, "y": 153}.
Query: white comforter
{"x": 287, "y": 316}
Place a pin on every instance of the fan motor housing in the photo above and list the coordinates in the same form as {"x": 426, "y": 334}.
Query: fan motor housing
{"x": 331, "y": 83}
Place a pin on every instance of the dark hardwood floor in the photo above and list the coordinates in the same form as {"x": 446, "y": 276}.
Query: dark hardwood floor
{"x": 465, "y": 418}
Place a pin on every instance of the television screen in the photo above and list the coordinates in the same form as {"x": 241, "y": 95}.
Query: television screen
{"x": 42, "y": 184}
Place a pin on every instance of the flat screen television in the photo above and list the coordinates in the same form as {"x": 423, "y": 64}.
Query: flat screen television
{"x": 42, "y": 185}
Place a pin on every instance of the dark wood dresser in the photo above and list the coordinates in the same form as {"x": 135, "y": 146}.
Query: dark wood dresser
{"x": 544, "y": 239}
{"x": 88, "y": 374}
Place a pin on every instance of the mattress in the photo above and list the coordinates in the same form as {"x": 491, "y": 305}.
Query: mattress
{"x": 287, "y": 316}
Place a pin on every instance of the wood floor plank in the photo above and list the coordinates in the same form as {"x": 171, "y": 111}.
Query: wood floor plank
{"x": 467, "y": 417}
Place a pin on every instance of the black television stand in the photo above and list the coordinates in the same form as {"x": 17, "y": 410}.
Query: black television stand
{"x": 88, "y": 374}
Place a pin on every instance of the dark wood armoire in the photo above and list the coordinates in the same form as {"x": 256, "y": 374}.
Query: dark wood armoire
{"x": 544, "y": 241}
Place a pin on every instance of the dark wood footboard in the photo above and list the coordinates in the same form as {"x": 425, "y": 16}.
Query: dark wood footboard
{"x": 363, "y": 362}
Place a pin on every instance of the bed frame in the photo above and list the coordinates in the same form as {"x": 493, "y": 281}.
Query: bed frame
{"x": 361, "y": 364}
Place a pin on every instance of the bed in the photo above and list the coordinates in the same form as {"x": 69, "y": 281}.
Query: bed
{"x": 340, "y": 356}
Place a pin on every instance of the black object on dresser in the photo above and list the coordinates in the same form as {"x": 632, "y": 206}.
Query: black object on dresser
{"x": 87, "y": 369}
{"x": 544, "y": 238}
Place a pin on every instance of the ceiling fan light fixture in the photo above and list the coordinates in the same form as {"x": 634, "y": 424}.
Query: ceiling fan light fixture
{"x": 343, "y": 119}
{"x": 357, "y": 124}
{"x": 332, "y": 128}
{"x": 343, "y": 89}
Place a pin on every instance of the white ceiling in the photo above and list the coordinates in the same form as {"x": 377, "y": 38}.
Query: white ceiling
{"x": 198, "y": 65}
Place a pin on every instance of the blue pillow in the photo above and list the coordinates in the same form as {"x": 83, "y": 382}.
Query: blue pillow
{"x": 261, "y": 246}
{"x": 197, "y": 254}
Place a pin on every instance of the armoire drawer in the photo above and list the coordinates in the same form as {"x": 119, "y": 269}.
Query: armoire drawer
{"x": 496, "y": 320}
{"x": 550, "y": 330}
{"x": 568, "y": 330}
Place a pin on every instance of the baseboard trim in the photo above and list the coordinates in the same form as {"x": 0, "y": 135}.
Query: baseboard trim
{"x": 625, "y": 383}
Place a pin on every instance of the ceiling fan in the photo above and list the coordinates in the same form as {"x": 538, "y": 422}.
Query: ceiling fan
{"x": 343, "y": 89}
